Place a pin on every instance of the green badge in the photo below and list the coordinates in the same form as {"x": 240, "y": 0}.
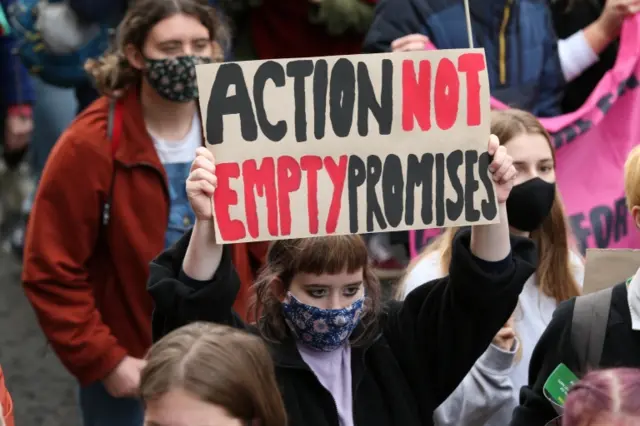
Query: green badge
{"x": 557, "y": 386}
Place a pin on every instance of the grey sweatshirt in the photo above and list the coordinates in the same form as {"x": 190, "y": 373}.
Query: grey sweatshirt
{"x": 486, "y": 393}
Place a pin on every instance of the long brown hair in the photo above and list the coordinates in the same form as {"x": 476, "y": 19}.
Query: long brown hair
{"x": 112, "y": 72}
{"x": 555, "y": 278}
{"x": 220, "y": 365}
{"x": 316, "y": 255}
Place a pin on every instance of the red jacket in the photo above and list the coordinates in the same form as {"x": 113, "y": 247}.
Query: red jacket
{"x": 6, "y": 403}
{"x": 281, "y": 29}
{"x": 88, "y": 284}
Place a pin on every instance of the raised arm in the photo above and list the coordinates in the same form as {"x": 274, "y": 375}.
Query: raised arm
{"x": 195, "y": 280}
{"x": 491, "y": 242}
{"x": 445, "y": 326}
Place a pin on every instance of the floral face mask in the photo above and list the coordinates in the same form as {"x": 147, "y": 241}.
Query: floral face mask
{"x": 321, "y": 329}
{"x": 175, "y": 78}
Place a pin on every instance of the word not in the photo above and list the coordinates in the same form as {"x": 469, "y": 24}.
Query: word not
{"x": 276, "y": 179}
{"x": 343, "y": 93}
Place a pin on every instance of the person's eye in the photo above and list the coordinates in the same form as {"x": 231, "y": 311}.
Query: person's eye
{"x": 351, "y": 291}
{"x": 201, "y": 45}
{"x": 318, "y": 293}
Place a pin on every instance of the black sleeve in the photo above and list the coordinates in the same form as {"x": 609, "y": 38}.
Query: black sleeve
{"x": 553, "y": 348}
{"x": 394, "y": 19}
{"x": 444, "y": 326}
{"x": 180, "y": 300}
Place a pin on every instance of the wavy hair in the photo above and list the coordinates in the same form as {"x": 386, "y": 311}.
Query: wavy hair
{"x": 112, "y": 72}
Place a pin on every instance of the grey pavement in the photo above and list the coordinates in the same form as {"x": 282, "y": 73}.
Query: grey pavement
{"x": 44, "y": 393}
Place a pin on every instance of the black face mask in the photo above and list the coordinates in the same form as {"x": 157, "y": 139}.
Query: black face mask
{"x": 529, "y": 204}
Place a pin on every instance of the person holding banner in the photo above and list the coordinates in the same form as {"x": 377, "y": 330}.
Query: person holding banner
{"x": 535, "y": 211}
{"x": 341, "y": 357}
{"x": 597, "y": 330}
{"x": 598, "y": 22}
{"x": 207, "y": 374}
{"x": 112, "y": 196}
{"x": 528, "y": 67}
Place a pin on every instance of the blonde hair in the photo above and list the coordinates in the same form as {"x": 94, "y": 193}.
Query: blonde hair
{"x": 555, "y": 277}
{"x": 112, "y": 72}
{"x": 220, "y": 365}
{"x": 632, "y": 178}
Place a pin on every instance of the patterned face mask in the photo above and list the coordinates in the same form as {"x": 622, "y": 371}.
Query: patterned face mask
{"x": 321, "y": 329}
{"x": 175, "y": 78}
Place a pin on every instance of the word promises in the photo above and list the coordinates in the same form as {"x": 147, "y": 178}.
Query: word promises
{"x": 349, "y": 144}
{"x": 423, "y": 178}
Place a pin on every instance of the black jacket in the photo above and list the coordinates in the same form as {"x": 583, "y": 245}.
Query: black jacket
{"x": 517, "y": 36}
{"x": 568, "y": 21}
{"x": 425, "y": 347}
{"x": 621, "y": 349}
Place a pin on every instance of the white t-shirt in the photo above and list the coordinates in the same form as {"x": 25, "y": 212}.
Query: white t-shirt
{"x": 531, "y": 317}
{"x": 177, "y": 157}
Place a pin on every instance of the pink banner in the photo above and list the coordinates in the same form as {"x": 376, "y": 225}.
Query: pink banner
{"x": 591, "y": 147}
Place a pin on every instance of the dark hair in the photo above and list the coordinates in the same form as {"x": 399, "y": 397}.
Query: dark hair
{"x": 316, "y": 255}
{"x": 220, "y": 365}
{"x": 605, "y": 397}
{"x": 113, "y": 72}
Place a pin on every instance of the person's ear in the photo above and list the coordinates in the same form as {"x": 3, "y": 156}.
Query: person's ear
{"x": 134, "y": 57}
{"x": 217, "y": 53}
{"x": 278, "y": 289}
{"x": 635, "y": 212}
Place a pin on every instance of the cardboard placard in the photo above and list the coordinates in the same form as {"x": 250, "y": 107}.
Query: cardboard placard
{"x": 607, "y": 267}
{"x": 348, "y": 144}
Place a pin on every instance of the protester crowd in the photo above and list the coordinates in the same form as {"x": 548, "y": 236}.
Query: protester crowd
{"x": 162, "y": 326}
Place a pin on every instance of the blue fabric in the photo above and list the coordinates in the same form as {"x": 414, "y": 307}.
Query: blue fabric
{"x": 63, "y": 70}
{"x": 321, "y": 329}
{"x": 16, "y": 84}
{"x": 534, "y": 79}
{"x": 181, "y": 216}
{"x": 54, "y": 111}
{"x": 101, "y": 409}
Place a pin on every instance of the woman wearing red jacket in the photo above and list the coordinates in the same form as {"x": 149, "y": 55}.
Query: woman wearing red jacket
{"x": 112, "y": 196}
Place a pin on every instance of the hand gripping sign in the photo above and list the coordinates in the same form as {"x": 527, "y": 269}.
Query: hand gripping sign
{"x": 348, "y": 144}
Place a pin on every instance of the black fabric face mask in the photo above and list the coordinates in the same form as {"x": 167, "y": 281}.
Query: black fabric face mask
{"x": 530, "y": 203}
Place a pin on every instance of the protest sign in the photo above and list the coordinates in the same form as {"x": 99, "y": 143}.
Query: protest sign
{"x": 592, "y": 144}
{"x": 348, "y": 144}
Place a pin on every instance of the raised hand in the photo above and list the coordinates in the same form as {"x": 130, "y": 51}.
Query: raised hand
{"x": 501, "y": 168}
{"x": 201, "y": 184}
